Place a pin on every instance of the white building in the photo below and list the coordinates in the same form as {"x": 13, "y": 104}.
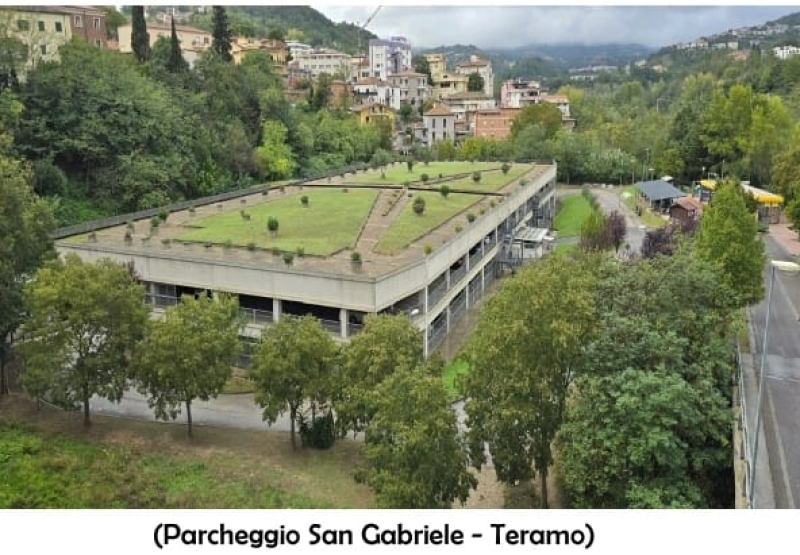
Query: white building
{"x": 387, "y": 57}
{"x": 785, "y": 52}
{"x": 323, "y": 60}
{"x": 482, "y": 68}
{"x": 375, "y": 91}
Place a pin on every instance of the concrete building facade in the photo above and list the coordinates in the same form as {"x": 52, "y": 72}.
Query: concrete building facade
{"x": 434, "y": 291}
{"x": 323, "y": 60}
{"x": 389, "y": 56}
{"x": 482, "y": 68}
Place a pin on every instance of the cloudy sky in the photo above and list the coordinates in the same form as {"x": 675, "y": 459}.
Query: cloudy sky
{"x": 499, "y": 27}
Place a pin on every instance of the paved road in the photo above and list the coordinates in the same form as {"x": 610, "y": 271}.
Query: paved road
{"x": 609, "y": 201}
{"x": 781, "y": 403}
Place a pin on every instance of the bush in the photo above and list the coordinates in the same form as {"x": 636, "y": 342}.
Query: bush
{"x": 191, "y": 210}
{"x": 355, "y": 256}
{"x": 345, "y": 190}
{"x": 163, "y": 215}
{"x": 459, "y": 228}
{"x": 444, "y": 190}
{"x": 470, "y": 217}
{"x": 92, "y": 237}
{"x": 276, "y": 251}
{"x": 320, "y": 434}
{"x": 424, "y": 177}
{"x": 419, "y": 205}
{"x": 48, "y": 179}
{"x": 128, "y": 237}
{"x": 251, "y": 246}
{"x": 129, "y": 225}
{"x": 301, "y": 252}
{"x": 304, "y": 200}
{"x": 476, "y": 177}
{"x": 427, "y": 249}
{"x": 227, "y": 244}
{"x": 288, "y": 258}
{"x": 482, "y": 211}
{"x": 505, "y": 167}
{"x": 410, "y": 165}
{"x": 245, "y": 215}
{"x": 155, "y": 221}
{"x": 272, "y": 224}
{"x": 166, "y": 241}
{"x": 492, "y": 203}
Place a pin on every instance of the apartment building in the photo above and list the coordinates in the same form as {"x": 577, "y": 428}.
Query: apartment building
{"x": 389, "y": 56}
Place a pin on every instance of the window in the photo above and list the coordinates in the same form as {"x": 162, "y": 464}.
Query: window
{"x": 43, "y": 48}
{"x": 98, "y": 43}
{"x": 41, "y": 26}
{"x": 444, "y": 122}
{"x": 78, "y": 21}
{"x": 96, "y": 22}
{"x": 23, "y": 25}
{"x": 59, "y": 28}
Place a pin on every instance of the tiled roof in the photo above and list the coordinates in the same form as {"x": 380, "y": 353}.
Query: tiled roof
{"x": 439, "y": 111}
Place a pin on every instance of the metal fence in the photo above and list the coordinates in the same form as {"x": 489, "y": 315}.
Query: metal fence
{"x": 475, "y": 292}
{"x": 475, "y": 258}
{"x": 457, "y": 308}
{"x": 457, "y": 274}
{"x": 435, "y": 295}
{"x": 743, "y": 425}
{"x": 255, "y": 316}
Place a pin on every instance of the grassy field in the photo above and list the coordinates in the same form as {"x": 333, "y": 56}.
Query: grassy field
{"x": 399, "y": 173}
{"x": 52, "y": 462}
{"x": 409, "y": 226}
{"x": 490, "y": 181}
{"x": 565, "y": 249}
{"x": 456, "y": 368}
{"x": 331, "y": 222}
{"x": 574, "y": 209}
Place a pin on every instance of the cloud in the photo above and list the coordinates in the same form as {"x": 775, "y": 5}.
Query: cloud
{"x": 508, "y": 27}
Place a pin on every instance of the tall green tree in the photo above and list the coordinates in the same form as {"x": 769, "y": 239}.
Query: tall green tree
{"x": 545, "y": 114}
{"x": 292, "y": 364}
{"x": 85, "y": 320}
{"x": 475, "y": 82}
{"x": 522, "y": 357}
{"x": 221, "y": 34}
{"x": 417, "y": 457}
{"x": 176, "y": 62}
{"x": 728, "y": 239}
{"x": 25, "y": 224}
{"x": 387, "y": 344}
{"x": 140, "y": 38}
{"x": 189, "y": 355}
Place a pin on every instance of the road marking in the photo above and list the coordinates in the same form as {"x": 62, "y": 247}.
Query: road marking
{"x": 781, "y": 454}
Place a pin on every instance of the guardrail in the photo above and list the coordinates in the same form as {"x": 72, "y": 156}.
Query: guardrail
{"x": 743, "y": 425}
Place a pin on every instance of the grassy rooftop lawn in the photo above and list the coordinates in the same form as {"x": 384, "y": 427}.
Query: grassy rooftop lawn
{"x": 399, "y": 173}
{"x": 574, "y": 209}
{"x": 490, "y": 181}
{"x": 409, "y": 226}
{"x": 330, "y": 223}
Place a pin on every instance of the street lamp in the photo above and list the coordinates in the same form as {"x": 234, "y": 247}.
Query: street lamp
{"x": 789, "y": 268}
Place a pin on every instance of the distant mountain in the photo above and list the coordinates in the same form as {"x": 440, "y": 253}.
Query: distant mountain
{"x": 301, "y": 22}
{"x": 791, "y": 19}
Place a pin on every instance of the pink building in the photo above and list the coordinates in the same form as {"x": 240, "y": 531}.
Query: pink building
{"x": 518, "y": 94}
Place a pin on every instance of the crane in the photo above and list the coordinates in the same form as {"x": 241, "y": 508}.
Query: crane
{"x": 367, "y": 22}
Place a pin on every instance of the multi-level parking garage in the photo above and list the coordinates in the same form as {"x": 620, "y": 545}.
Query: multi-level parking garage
{"x": 433, "y": 277}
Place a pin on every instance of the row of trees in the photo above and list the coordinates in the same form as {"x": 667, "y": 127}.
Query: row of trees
{"x": 622, "y": 368}
{"x": 88, "y": 333}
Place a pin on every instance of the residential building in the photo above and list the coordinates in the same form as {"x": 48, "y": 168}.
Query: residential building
{"x": 449, "y": 84}
{"x": 368, "y": 113}
{"x": 193, "y": 41}
{"x": 412, "y": 87}
{"x": 375, "y": 91}
{"x": 438, "y": 125}
{"x": 465, "y": 105}
{"x": 561, "y": 102}
{"x": 43, "y": 29}
{"x": 359, "y": 68}
{"x": 275, "y": 49}
{"x": 482, "y": 68}
{"x": 323, "y": 60}
{"x": 518, "y": 93}
{"x": 296, "y": 47}
{"x": 495, "y": 123}
{"x": 388, "y": 56}
{"x": 685, "y": 210}
{"x": 437, "y": 66}
{"x": 785, "y": 52}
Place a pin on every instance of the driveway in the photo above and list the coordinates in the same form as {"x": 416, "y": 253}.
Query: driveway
{"x": 609, "y": 201}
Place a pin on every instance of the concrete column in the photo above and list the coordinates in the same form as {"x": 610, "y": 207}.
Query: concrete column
{"x": 447, "y": 319}
{"x": 425, "y": 348}
{"x": 425, "y": 302}
{"x": 447, "y": 279}
{"x": 276, "y": 310}
{"x": 345, "y": 329}
{"x": 466, "y": 294}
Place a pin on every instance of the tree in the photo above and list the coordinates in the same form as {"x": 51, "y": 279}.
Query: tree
{"x": 140, "y": 39}
{"x": 417, "y": 458}
{"x": 594, "y": 232}
{"x": 406, "y": 112}
{"x": 114, "y": 20}
{"x": 444, "y": 190}
{"x": 659, "y": 241}
{"x": 274, "y": 157}
{"x": 475, "y": 82}
{"x": 221, "y": 34}
{"x": 418, "y": 206}
{"x": 380, "y": 159}
{"x": 792, "y": 212}
{"x": 545, "y": 114}
{"x": 386, "y": 345}
{"x": 25, "y": 225}
{"x": 176, "y": 63}
{"x": 189, "y": 355}
{"x": 292, "y": 364}
{"x": 85, "y": 320}
{"x": 421, "y": 65}
{"x": 728, "y": 238}
{"x": 615, "y": 229}
{"x": 521, "y": 359}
